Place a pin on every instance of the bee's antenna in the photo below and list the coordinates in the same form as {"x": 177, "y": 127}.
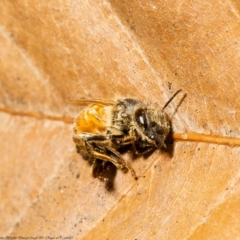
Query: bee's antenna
{"x": 174, "y": 95}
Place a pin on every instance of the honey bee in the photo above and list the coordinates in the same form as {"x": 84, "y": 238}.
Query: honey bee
{"x": 104, "y": 127}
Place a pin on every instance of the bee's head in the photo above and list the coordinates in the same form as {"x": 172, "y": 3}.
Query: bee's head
{"x": 154, "y": 125}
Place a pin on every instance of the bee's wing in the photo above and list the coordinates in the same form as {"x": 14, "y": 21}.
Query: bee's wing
{"x": 90, "y": 101}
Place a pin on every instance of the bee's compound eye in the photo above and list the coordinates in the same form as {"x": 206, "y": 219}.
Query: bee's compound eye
{"x": 140, "y": 117}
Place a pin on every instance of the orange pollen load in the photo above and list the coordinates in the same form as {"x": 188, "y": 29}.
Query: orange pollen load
{"x": 92, "y": 119}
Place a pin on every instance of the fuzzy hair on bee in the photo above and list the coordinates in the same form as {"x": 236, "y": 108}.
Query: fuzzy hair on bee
{"x": 104, "y": 127}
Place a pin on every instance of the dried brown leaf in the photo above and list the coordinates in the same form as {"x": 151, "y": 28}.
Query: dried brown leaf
{"x": 55, "y": 50}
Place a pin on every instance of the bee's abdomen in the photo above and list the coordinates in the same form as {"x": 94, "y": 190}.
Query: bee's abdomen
{"x": 92, "y": 120}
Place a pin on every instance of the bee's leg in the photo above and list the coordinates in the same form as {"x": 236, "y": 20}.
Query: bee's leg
{"x": 122, "y": 140}
{"x": 116, "y": 159}
{"x": 99, "y": 147}
{"x": 85, "y": 144}
{"x": 121, "y": 161}
{"x": 143, "y": 148}
{"x": 138, "y": 149}
{"x": 98, "y": 170}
